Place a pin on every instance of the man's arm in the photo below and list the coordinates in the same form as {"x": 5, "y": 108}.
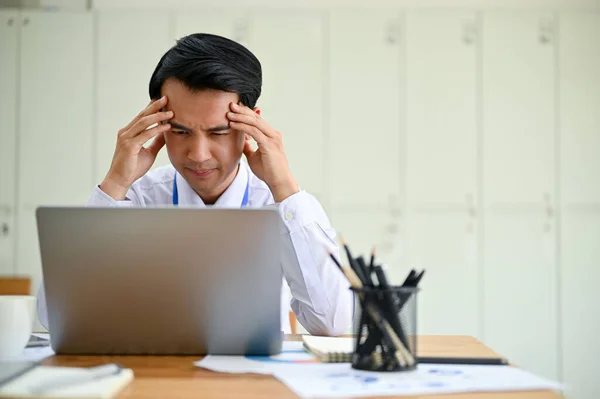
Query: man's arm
{"x": 322, "y": 300}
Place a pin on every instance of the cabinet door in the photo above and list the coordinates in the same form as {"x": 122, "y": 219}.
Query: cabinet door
{"x": 129, "y": 44}
{"x": 441, "y": 103}
{"x": 520, "y": 268}
{"x": 290, "y": 48}
{"x": 579, "y": 80}
{"x": 56, "y": 113}
{"x": 521, "y": 289}
{"x": 518, "y": 107}
{"x": 580, "y": 279}
{"x": 442, "y": 168}
{"x": 9, "y": 26}
{"x": 445, "y": 246}
{"x": 364, "y": 93}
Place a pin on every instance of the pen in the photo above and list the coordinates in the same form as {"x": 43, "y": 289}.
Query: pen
{"x": 90, "y": 374}
{"x": 487, "y": 361}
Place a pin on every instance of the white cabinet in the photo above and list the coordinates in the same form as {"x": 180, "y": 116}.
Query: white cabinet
{"x": 579, "y": 73}
{"x": 580, "y": 279}
{"x": 520, "y": 289}
{"x": 519, "y": 169}
{"x": 442, "y": 168}
{"x": 579, "y": 79}
{"x": 518, "y": 107}
{"x": 9, "y": 33}
{"x": 291, "y": 50}
{"x": 129, "y": 44}
{"x": 56, "y": 113}
{"x": 441, "y": 108}
{"x": 446, "y": 247}
{"x": 364, "y": 107}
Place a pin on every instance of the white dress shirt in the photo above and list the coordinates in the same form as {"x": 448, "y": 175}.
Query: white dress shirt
{"x": 322, "y": 301}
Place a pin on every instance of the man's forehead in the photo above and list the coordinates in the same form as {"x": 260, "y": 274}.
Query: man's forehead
{"x": 201, "y": 109}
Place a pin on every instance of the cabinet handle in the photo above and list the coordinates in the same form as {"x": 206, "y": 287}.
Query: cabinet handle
{"x": 26, "y": 21}
{"x": 240, "y": 31}
{"x": 4, "y": 229}
{"x": 392, "y": 32}
{"x": 469, "y": 32}
{"x": 10, "y": 21}
{"x": 546, "y": 31}
{"x": 471, "y": 210}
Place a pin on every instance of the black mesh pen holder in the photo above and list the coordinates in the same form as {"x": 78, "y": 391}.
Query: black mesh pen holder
{"x": 386, "y": 337}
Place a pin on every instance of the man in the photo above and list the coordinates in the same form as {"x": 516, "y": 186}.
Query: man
{"x": 204, "y": 91}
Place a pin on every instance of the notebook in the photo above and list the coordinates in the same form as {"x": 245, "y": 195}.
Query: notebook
{"x": 330, "y": 349}
{"x": 104, "y": 388}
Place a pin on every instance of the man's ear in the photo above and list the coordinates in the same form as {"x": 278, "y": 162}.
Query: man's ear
{"x": 257, "y": 110}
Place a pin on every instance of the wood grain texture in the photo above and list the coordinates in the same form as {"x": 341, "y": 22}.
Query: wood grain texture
{"x": 176, "y": 376}
{"x": 15, "y": 285}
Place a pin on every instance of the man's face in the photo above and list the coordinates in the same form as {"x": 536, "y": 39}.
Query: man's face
{"x": 200, "y": 144}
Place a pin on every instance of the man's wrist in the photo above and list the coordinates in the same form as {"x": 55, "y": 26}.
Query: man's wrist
{"x": 283, "y": 191}
{"x": 116, "y": 191}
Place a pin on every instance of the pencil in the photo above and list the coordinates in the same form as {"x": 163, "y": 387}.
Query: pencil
{"x": 486, "y": 361}
{"x": 402, "y": 354}
{"x": 372, "y": 262}
{"x": 418, "y": 278}
{"x": 409, "y": 278}
{"x": 360, "y": 263}
{"x": 351, "y": 260}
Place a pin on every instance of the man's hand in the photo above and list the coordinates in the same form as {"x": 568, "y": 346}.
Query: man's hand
{"x": 268, "y": 162}
{"x": 131, "y": 159}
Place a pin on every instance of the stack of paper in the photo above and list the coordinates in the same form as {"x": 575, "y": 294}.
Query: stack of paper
{"x": 329, "y": 349}
{"x": 104, "y": 388}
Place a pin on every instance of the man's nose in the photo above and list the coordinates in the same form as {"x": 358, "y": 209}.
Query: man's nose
{"x": 199, "y": 150}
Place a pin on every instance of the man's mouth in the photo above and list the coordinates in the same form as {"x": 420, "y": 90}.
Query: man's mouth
{"x": 201, "y": 172}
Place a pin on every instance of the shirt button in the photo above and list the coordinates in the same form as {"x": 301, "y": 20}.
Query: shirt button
{"x": 289, "y": 216}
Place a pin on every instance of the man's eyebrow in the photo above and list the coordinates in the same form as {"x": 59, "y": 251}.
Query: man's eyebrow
{"x": 177, "y": 126}
{"x": 216, "y": 129}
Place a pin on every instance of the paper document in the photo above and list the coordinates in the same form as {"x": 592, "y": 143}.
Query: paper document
{"x": 340, "y": 380}
{"x": 31, "y": 354}
{"x": 292, "y": 353}
{"x": 104, "y": 388}
{"x": 307, "y": 377}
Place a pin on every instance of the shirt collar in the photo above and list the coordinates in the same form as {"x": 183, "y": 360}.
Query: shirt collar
{"x": 231, "y": 198}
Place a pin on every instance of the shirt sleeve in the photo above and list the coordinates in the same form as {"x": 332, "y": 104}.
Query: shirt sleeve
{"x": 100, "y": 199}
{"x": 322, "y": 300}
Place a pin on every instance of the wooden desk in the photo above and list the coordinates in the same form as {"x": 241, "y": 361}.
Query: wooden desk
{"x": 176, "y": 376}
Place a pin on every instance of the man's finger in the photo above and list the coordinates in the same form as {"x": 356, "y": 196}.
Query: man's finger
{"x": 252, "y": 120}
{"x": 143, "y": 138}
{"x": 157, "y": 144}
{"x": 251, "y": 131}
{"x": 153, "y": 107}
{"x": 145, "y": 122}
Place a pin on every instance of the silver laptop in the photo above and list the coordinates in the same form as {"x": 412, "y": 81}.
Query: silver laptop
{"x": 162, "y": 280}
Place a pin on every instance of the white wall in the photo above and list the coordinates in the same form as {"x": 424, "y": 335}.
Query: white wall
{"x": 462, "y": 141}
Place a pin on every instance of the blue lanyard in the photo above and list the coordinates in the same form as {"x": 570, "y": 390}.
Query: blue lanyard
{"x": 176, "y": 193}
